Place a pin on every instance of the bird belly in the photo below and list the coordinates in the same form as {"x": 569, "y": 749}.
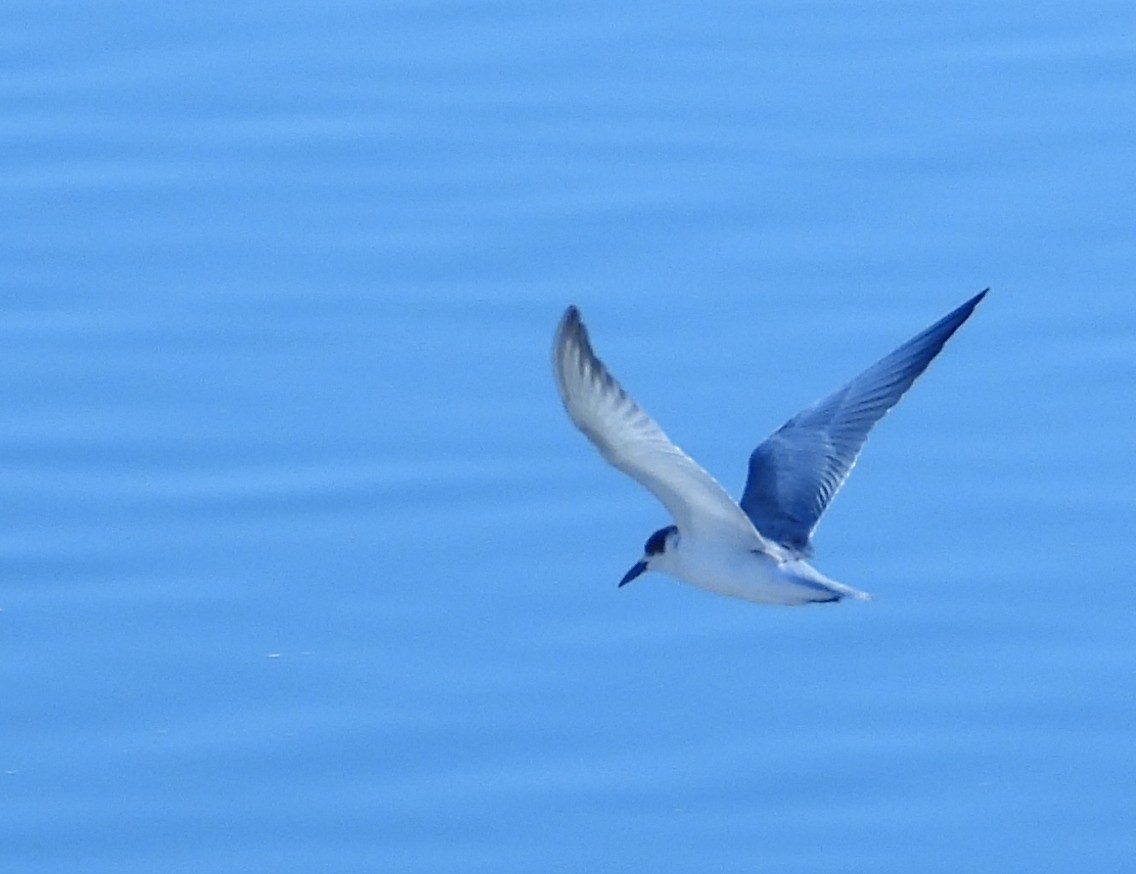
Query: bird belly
{"x": 755, "y": 576}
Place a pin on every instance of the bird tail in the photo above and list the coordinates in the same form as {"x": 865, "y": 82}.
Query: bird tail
{"x": 849, "y": 592}
{"x": 805, "y": 574}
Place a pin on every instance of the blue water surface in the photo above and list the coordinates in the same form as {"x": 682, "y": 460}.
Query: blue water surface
{"x": 304, "y": 568}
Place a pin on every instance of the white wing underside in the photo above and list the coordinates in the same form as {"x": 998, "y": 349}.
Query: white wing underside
{"x": 633, "y": 442}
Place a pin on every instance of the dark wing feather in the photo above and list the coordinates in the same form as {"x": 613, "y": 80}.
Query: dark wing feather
{"x": 796, "y": 472}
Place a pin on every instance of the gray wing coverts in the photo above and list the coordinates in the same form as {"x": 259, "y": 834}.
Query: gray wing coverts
{"x": 796, "y": 471}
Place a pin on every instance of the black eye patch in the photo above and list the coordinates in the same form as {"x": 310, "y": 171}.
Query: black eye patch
{"x": 657, "y": 542}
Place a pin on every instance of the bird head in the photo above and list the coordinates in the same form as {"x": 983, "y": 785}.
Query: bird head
{"x": 653, "y": 550}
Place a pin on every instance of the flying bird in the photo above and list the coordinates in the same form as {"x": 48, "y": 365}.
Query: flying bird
{"x": 755, "y": 549}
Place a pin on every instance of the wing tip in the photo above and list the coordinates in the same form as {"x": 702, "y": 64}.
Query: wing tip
{"x": 574, "y": 360}
{"x": 570, "y": 321}
{"x": 571, "y": 328}
{"x": 977, "y": 299}
{"x": 964, "y": 311}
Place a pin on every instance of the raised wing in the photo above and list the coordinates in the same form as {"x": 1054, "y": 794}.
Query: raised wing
{"x": 795, "y": 473}
{"x": 631, "y": 440}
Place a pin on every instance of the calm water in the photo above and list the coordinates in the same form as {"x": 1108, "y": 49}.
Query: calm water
{"x": 304, "y": 568}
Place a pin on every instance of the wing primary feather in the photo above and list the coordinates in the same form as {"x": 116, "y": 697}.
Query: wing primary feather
{"x": 795, "y": 473}
{"x": 630, "y": 440}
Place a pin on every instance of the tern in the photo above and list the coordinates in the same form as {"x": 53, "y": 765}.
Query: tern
{"x": 755, "y": 549}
